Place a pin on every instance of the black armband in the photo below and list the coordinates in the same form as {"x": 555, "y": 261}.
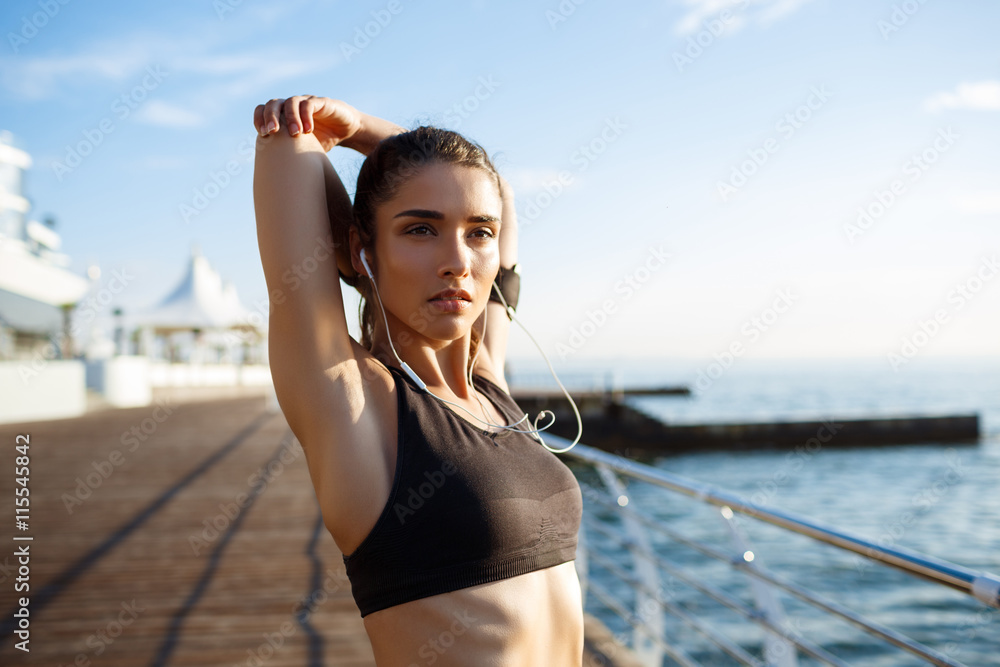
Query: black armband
{"x": 508, "y": 281}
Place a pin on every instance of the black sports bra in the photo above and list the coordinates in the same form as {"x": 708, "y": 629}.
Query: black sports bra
{"x": 466, "y": 506}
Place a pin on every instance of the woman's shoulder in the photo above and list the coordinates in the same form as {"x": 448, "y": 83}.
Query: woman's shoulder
{"x": 354, "y": 399}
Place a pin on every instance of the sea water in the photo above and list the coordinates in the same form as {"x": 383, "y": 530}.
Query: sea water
{"x": 940, "y": 499}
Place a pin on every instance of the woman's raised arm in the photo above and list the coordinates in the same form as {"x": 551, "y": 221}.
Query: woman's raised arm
{"x": 298, "y": 202}
{"x": 493, "y": 355}
{"x": 303, "y": 213}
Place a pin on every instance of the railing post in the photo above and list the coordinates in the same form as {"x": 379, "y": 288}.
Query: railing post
{"x": 648, "y": 612}
{"x": 778, "y": 651}
{"x": 581, "y": 564}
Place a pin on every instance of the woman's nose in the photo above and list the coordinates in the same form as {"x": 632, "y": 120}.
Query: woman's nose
{"x": 456, "y": 257}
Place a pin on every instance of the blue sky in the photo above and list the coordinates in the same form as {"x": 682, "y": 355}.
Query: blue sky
{"x": 689, "y": 173}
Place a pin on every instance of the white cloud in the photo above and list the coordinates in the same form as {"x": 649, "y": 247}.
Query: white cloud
{"x": 776, "y": 9}
{"x": 702, "y": 10}
{"x": 156, "y": 112}
{"x": 203, "y": 81}
{"x": 120, "y": 61}
{"x": 264, "y": 70}
{"x": 763, "y": 12}
{"x": 984, "y": 95}
{"x": 41, "y": 77}
{"x": 987, "y": 203}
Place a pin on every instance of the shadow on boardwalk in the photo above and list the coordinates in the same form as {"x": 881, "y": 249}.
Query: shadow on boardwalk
{"x": 199, "y": 543}
{"x": 179, "y": 534}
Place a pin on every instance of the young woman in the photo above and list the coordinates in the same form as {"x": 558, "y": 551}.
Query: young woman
{"x": 459, "y": 536}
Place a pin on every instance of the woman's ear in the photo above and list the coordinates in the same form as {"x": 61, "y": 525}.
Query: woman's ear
{"x": 345, "y": 264}
{"x": 356, "y": 247}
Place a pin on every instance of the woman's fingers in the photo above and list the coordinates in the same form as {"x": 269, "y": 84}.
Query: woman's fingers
{"x": 297, "y": 114}
{"x": 332, "y": 121}
{"x": 270, "y": 116}
{"x": 258, "y": 118}
{"x": 293, "y": 117}
{"x": 306, "y": 110}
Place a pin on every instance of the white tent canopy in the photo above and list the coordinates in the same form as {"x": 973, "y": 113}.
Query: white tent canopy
{"x": 200, "y": 301}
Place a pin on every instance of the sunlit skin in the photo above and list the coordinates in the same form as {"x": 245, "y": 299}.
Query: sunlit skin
{"x": 340, "y": 401}
{"x": 440, "y": 231}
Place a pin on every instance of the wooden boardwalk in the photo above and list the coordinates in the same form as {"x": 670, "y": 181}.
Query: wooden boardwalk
{"x": 178, "y": 534}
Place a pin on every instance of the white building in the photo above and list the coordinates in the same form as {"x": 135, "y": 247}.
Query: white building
{"x": 39, "y": 377}
{"x": 198, "y": 342}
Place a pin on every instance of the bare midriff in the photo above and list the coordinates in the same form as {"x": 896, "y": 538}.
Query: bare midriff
{"x": 535, "y": 619}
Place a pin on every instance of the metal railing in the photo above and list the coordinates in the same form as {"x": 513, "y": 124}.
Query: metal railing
{"x": 782, "y": 645}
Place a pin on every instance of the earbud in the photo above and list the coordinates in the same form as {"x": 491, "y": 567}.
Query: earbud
{"x": 364, "y": 261}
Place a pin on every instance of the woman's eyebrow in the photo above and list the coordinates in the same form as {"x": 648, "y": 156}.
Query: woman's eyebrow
{"x": 437, "y": 215}
{"x": 420, "y": 213}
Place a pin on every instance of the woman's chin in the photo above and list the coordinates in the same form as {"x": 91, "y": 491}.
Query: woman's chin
{"x": 447, "y": 329}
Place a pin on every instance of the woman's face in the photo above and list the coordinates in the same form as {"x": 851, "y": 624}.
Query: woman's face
{"x": 441, "y": 231}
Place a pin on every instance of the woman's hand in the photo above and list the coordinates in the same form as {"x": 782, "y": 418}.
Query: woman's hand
{"x": 332, "y": 122}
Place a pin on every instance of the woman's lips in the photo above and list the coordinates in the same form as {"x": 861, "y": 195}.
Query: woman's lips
{"x": 451, "y": 305}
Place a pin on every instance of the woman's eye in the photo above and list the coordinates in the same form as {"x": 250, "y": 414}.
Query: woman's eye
{"x": 483, "y": 232}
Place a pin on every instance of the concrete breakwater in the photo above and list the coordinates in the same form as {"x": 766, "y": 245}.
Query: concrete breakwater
{"x": 612, "y": 425}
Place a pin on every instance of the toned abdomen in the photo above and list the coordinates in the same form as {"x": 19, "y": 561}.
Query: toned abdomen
{"x": 532, "y": 619}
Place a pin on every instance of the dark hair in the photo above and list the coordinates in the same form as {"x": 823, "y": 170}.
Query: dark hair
{"x": 394, "y": 161}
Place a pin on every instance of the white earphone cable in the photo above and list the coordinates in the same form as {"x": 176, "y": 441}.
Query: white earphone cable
{"x": 406, "y": 368}
{"x": 579, "y": 420}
